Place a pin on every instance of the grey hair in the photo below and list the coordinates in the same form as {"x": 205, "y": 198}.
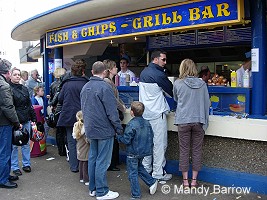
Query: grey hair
{"x": 98, "y": 67}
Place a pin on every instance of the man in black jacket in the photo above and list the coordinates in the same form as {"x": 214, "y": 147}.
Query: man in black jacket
{"x": 8, "y": 119}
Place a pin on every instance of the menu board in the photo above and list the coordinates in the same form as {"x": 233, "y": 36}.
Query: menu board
{"x": 159, "y": 41}
{"x": 183, "y": 39}
{"x": 238, "y": 34}
{"x": 201, "y": 37}
{"x": 210, "y": 37}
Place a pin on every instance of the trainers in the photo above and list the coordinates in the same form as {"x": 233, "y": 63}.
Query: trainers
{"x": 153, "y": 188}
{"x": 17, "y": 172}
{"x": 92, "y": 193}
{"x": 165, "y": 177}
{"x": 27, "y": 169}
{"x": 109, "y": 195}
{"x": 81, "y": 181}
{"x": 86, "y": 183}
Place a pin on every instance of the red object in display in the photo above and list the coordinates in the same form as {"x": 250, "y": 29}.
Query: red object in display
{"x": 38, "y": 113}
{"x": 38, "y": 148}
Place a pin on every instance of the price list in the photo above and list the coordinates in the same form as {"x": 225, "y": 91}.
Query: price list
{"x": 210, "y": 37}
{"x": 183, "y": 39}
{"x": 159, "y": 41}
{"x": 238, "y": 35}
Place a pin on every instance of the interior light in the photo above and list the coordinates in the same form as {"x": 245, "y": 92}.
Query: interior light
{"x": 111, "y": 42}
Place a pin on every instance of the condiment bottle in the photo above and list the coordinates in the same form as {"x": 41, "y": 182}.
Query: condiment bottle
{"x": 246, "y": 79}
{"x": 233, "y": 79}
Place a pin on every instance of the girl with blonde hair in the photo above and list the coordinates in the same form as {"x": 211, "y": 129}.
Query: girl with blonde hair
{"x": 82, "y": 147}
{"x": 191, "y": 117}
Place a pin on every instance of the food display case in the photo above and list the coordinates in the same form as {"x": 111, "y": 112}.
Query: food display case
{"x": 224, "y": 100}
{"x": 228, "y": 100}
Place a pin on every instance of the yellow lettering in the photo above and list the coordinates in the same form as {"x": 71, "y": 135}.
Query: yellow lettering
{"x": 112, "y": 27}
{"x": 222, "y": 10}
{"x": 207, "y": 13}
{"x": 91, "y": 30}
{"x": 84, "y": 32}
{"x": 176, "y": 18}
{"x": 137, "y": 23}
{"x": 157, "y": 20}
{"x": 165, "y": 19}
{"x": 74, "y": 34}
{"x": 194, "y": 14}
{"x": 51, "y": 38}
{"x": 103, "y": 28}
{"x": 97, "y": 30}
{"x": 66, "y": 36}
{"x": 147, "y": 21}
{"x": 59, "y": 37}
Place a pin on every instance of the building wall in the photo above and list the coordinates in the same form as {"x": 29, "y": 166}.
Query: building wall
{"x": 227, "y": 153}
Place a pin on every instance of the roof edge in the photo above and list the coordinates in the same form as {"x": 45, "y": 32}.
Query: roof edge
{"x": 62, "y": 7}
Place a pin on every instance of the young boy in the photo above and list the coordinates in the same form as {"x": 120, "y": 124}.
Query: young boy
{"x": 138, "y": 137}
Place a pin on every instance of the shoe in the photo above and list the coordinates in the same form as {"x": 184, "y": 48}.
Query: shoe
{"x": 62, "y": 154}
{"x": 75, "y": 171}
{"x": 86, "y": 183}
{"x": 194, "y": 185}
{"x": 113, "y": 169}
{"x": 165, "y": 177}
{"x": 27, "y": 169}
{"x": 9, "y": 185}
{"x": 13, "y": 178}
{"x": 81, "y": 181}
{"x": 153, "y": 188}
{"x": 92, "y": 193}
{"x": 17, "y": 172}
{"x": 185, "y": 186}
{"x": 109, "y": 195}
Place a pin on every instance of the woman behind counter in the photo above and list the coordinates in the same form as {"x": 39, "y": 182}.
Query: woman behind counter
{"x": 25, "y": 114}
{"x": 192, "y": 115}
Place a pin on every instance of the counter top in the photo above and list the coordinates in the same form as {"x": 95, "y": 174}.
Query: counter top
{"x": 224, "y": 126}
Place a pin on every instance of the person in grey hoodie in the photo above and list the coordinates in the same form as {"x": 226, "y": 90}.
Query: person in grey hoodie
{"x": 192, "y": 117}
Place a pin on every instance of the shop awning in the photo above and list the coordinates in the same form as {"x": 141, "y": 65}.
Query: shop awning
{"x": 35, "y": 27}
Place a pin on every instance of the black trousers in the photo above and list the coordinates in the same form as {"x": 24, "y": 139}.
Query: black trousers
{"x": 61, "y": 139}
{"x": 115, "y": 160}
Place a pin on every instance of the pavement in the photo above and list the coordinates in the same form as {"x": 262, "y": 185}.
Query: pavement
{"x": 51, "y": 179}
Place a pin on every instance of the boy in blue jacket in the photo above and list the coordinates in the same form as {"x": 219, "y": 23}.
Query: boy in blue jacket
{"x": 138, "y": 137}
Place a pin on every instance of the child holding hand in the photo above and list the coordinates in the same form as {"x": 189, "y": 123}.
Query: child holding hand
{"x": 138, "y": 137}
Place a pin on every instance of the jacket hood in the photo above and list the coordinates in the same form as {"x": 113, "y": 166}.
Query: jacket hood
{"x": 194, "y": 82}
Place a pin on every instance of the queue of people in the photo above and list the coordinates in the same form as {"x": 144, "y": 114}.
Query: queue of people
{"x": 89, "y": 115}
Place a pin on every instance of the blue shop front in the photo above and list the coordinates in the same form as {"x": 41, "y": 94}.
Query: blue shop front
{"x": 215, "y": 34}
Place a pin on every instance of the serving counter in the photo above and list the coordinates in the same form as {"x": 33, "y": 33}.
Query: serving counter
{"x": 225, "y": 122}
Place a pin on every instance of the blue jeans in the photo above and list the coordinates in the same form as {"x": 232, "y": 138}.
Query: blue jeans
{"x": 5, "y": 152}
{"x": 99, "y": 159}
{"x": 73, "y": 161}
{"x": 135, "y": 168}
{"x": 25, "y": 151}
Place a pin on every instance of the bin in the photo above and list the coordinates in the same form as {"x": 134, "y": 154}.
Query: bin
{"x": 38, "y": 148}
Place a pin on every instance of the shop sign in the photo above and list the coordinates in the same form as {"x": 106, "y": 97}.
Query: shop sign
{"x": 183, "y": 16}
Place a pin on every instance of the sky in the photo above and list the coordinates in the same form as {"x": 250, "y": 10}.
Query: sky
{"x": 12, "y": 12}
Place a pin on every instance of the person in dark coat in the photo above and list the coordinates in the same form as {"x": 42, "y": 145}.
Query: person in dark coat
{"x": 8, "y": 119}
{"x": 25, "y": 114}
{"x": 69, "y": 97}
{"x": 53, "y": 89}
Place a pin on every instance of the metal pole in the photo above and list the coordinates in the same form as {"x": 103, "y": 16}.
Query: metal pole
{"x": 258, "y": 27}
